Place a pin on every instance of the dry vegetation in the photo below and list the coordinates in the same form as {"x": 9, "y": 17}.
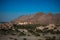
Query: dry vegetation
{"x": 48, "y": 32}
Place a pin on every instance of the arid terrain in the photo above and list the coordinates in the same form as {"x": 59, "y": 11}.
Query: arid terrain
{"x": 38, "y": 26}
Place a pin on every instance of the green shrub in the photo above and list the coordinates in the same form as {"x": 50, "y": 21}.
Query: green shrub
{"x": 21, "y": 34}
{"x": 24, "y": 39}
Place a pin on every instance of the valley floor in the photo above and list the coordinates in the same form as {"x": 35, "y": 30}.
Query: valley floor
{"x": 31, "y": 37}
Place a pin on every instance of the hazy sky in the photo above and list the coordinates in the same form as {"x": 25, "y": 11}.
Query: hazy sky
{"x": 11, "y": 9}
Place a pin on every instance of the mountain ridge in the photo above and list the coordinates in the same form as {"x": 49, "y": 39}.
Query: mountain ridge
{"x": 39, "y": 18}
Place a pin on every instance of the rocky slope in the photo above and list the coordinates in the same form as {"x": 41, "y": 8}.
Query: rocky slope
{"x": 39, "y": 18}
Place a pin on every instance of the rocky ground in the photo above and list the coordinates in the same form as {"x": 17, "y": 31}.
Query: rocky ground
{"x": 30, "y": 32}
{"x": 31, "y": 37}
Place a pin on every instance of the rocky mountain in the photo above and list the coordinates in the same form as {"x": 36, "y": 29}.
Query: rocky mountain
{"x": 39, "y": 18}
{"x": 57, "y": 15}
